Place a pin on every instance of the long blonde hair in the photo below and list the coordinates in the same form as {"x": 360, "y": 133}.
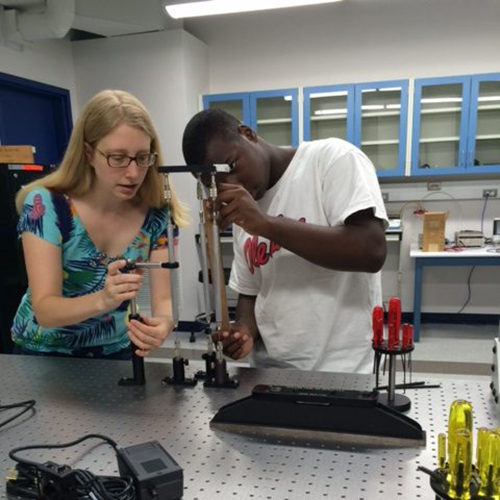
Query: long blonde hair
{"x": 100, "y": 116}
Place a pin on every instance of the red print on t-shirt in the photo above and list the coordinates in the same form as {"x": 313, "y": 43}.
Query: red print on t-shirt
{"x": 257, "y": 253}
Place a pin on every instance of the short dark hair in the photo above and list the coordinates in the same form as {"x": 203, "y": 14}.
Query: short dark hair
{"x": 203, "y": 128}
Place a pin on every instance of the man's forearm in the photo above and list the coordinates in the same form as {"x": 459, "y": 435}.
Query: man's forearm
{"x": 347, "y": 247}
{"x": 245, "y": 313}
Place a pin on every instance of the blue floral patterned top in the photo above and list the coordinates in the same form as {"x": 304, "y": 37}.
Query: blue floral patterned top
{"x": 51, "y": 216}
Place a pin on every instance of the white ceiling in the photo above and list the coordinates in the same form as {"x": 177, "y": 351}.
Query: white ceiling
{"x": 110, "y": 18}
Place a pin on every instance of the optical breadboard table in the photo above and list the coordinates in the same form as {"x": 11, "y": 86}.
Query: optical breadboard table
{"x": 77, "y": 397}
{"x": 487, "y": 256}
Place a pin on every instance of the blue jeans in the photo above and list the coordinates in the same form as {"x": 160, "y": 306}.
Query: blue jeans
{"x": 86, "y": 352}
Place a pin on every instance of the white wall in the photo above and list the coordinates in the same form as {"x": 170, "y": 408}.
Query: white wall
{"x": 369, "y": 40}
{"x": 49, "y": 62}
{"x": 350, "y": 42}
{"x": 167, "y": 71}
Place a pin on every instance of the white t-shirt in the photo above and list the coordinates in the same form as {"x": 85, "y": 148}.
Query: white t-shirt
{"x": 310, "y": 317}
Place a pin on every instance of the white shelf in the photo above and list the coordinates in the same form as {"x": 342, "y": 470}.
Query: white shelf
{"x": 323, "y": 118}
{"x": 487, "y": 137}
{"x": 343, "y": 117}
{"x": 432, "y": 111}
{"x": 488, "y": 107}
{"x": 387, "y": 142}
{"x": 436, "y": 111}
{"x": 274, "y": 121}
{"x": 380, "y": 114}
{"x": 439, "y": 139}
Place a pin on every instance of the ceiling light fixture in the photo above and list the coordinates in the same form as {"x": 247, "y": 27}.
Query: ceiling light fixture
{"x": 215, "y": 7}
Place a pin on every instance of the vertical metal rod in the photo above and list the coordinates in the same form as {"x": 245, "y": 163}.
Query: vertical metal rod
{"x": 216, "y": 271}
{"x": 204, "y": 256}
{"x": 174, "y": 273}
{"x": 392, "y": 377}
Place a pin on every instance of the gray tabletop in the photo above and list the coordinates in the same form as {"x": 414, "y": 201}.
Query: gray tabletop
{"x": 77, "y": 397}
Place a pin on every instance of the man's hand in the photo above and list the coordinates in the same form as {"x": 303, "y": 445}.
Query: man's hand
{"x": 237, "y": 206}
{"x": 237, "y": 343}
{"x": 150, "y": 334}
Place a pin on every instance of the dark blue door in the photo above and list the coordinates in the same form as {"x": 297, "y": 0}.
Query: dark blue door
{"x": 35, "y": 114}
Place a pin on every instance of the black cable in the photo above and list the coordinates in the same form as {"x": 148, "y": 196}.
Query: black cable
{"x": 27, "y": 405}
{"x": 13, "y": 456}
{"x": 36, "y": 480}
{"x": 469, "y": 290}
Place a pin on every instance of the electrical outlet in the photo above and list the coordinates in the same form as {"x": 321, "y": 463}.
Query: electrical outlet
{"x": 490, "y": 193}
{"x": 385, "y": 197}
{"x": 433, "y": 186}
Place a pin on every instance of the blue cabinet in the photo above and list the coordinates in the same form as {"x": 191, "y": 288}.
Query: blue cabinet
{"x": 272, "y": 114}
{"x": 380, "y": 124}
{"x": 372, "y": 116}
{"x": 483, "y": 149}
{"x": 456, "y": 125}
{"x": 237, "y": 103}
{"x": 329, "y": 112}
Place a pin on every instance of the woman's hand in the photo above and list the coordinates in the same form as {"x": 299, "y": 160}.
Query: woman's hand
{"x": 119, "y": 286}
{"x": 150, "y": 334}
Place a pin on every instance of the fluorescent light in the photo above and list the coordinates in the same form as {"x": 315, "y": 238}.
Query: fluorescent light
{"x": 288, "y": 98}
{"x": 214, "y": 7}
{"x": 316, "y": 95}
{"x": 339, "y": 111}
{"x": 393, "y": 106}
{"x": 434, "y": 100}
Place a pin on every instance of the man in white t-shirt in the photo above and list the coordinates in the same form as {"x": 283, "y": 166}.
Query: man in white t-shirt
{"x": 309, "y": 243}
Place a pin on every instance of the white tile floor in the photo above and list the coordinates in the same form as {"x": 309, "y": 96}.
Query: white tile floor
{"x": 456, "y": 343}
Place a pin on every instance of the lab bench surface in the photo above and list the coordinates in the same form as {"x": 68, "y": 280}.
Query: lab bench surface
{"x": 77, "y": 397}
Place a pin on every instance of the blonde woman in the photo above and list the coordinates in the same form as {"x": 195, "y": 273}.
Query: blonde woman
{"x": 102, "y": 205}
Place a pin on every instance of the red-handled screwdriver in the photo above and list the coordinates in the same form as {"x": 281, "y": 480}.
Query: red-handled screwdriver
{"x": 407, "y": 335}
{"x": 378, "y": 326}
{"x": 394, "y": 321}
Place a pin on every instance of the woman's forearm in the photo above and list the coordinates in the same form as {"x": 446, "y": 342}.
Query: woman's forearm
{"x": 53, "y": 312}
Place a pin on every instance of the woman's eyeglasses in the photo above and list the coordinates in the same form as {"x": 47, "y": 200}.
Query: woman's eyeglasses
{"x": 116, "y": 160}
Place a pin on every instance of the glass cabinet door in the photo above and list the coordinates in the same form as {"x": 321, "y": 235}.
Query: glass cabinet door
{"x": 440, "y": 126}
{"x": 484, "y": 126}
{"x": 329, "y": 112}
{"x": 274, "y": 115}
{"x": 237, "y": 104}
{"x": 380, "y": 124}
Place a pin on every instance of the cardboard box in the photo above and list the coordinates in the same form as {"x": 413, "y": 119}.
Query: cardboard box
{"x": 17, "y": 154}
{"x": 434, "y": 231}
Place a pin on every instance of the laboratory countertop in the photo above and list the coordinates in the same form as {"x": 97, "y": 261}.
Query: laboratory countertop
{"x": 77, "y": 397}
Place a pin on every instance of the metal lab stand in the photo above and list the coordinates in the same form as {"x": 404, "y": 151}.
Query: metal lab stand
{"x": 79, "y": 396}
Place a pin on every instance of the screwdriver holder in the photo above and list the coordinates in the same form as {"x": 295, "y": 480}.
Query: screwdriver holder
{"x": 440, "y": 486}
{"x": 460, "y": 477}
{"x": 391, "y": 346}
{"x": 399, "y": 402}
